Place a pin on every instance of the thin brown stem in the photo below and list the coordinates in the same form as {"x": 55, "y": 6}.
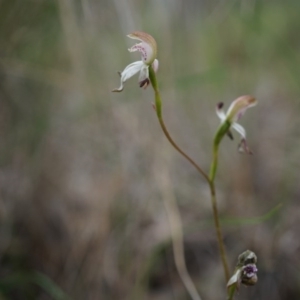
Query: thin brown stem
{"x": 213, "y": 196}
{"x": 158, "y": 108}
{"x": 218, "y": 231}
{"x": 209, "y": 178}
{"x": 164, "y": 129}
{"x": 213, "y": 170}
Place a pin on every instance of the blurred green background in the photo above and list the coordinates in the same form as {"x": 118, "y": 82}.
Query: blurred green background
{"x": 81, "y": 203}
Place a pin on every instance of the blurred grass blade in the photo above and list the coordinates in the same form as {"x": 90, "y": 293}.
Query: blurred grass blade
{"x": 23, "y": 279}
{"x": 49, "y": 286}
{"x": 252, "y": 221}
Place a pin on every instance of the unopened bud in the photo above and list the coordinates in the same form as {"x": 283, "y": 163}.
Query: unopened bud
{"x": 245, "y": 271}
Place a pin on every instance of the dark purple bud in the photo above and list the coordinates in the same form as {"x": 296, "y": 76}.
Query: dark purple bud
{"x": 220, "y": 105}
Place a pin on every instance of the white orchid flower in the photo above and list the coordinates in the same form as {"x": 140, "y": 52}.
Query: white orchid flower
{"x": 235, "y": 111}
{"x": 148, "y": 49}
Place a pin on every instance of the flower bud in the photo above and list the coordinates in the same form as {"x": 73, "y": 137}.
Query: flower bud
{"x": 245, "y": 271}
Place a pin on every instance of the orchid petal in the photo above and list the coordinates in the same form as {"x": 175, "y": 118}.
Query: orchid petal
{"x": 146, "y": 51}
{"x": 240, "y": 129}
{"x": 235, "y": 278}
{"x": 128, "y": 72}
{"x": 147, "y": 47}
{"x": 144, "y": 73}
{"x": 144, "y": 80}
{"x": 131, "y": 70}
{"x": 155, "y": 65}
{"x": 239, "y": 106}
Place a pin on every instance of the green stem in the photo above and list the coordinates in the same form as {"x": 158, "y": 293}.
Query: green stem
{"x": 219, "y": 231}
{"x": 158, "y": 108}
{"x": 209, "y": 179}
{"x": 214, "y": 164}
{"x": 223, "y": 129}
{"x": 231, "y": 292}
{"x": 213, "y": 170}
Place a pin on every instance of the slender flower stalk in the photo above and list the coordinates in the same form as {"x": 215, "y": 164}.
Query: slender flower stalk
{"x": 213, "y": 169}
{"x": 158, "y": 109}
{"x": 235, "y": 112}
{"x": 147, "y": 67}
{"x": 210, "y": 181}
{"x": 212, "y": 173}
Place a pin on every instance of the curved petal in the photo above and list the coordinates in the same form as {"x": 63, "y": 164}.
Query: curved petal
{"x": 239, "y": 106}
{"x": 147, "y": 47}
{"x": 131, "y": 70}
{"x": 128, "y": 72}
{"x": 155, "y": 65}
{"x": 146, "y": 51}
{"x": 235, "y": 278}
{"x": 240, "y": 129}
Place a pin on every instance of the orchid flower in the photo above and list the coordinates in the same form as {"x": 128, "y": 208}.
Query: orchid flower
{"x": 235, "y": 111}
{"x": 246, "y": 270}
{"x": 246, "y": 275}
{"x": 148, "y": 49}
